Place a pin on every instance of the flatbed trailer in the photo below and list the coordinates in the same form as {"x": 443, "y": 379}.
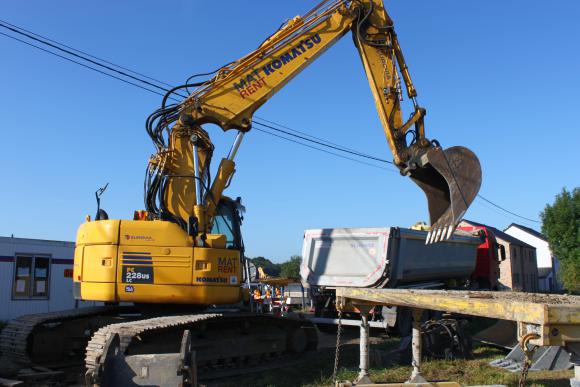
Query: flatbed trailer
{"x": 542, "y": 319}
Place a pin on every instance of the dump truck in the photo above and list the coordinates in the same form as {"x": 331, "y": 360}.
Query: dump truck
{"x": 388, "y": 257}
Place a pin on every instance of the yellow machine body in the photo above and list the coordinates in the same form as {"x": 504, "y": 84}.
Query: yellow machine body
{"x": 173, "y": 254}
{"x": 153, "y": 262}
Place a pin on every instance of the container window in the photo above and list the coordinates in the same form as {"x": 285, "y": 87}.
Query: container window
{"x": 31, "y": 277}
{"x": 41, "y": 276}
{"x": 22, "y": 276}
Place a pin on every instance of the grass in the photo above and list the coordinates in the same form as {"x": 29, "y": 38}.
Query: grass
{"x": 470, "y": 372}
{"x": 316, "y": 370}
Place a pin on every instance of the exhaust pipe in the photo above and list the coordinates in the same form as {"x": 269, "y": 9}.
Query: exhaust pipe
{"x": 451, "y": 179}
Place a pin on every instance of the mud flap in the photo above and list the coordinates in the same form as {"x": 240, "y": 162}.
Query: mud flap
{"x": 451, "y": 179}
{"x": 167, "y": 369}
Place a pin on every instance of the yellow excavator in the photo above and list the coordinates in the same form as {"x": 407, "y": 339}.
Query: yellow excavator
{"x": 186, "y": 249}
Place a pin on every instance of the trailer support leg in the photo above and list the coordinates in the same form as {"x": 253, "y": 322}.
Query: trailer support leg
{"x": 363, "y": 375}
{"x": 574, "y": 350}
{"x": 575, "y": 382}
{"x": 416, "y": 345}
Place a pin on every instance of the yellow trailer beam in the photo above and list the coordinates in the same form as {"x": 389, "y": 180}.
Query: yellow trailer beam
{"x": 555, "y": 318}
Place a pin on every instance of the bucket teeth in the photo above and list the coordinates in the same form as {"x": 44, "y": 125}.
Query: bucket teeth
{"x": 432, "y": 235}
{"x": 439, "y": 233}
{"x": 449, "y": 231}
{"x": 429, "y": 235}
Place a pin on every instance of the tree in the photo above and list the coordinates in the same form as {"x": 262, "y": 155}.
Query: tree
{"x": 561, "y": 225}
{"x": 291, "y": 268}
{"x": 269, "y": 267}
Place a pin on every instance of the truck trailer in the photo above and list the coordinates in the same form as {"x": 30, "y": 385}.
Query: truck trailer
{"x": 389, "y": 257}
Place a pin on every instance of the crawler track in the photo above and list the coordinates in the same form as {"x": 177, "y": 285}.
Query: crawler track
{"x": 50, "y": 339}
{"x": 225, "y": 343}
{"x": 130, "y": 331}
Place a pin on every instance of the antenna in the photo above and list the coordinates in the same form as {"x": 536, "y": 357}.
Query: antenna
{"x": 101, "y": 214}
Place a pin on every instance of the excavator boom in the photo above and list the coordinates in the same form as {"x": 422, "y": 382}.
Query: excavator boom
{"x": 450, "y": 178}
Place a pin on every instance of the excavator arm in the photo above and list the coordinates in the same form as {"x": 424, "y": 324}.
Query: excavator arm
{"x": 179, "y": 186}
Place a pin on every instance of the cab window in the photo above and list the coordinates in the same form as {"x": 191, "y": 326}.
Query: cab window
{"x": 225, "y": 223}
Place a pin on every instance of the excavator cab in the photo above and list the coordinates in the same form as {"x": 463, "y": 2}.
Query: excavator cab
{"x": 450, "y": 179}
{"x": 227, "y": 222}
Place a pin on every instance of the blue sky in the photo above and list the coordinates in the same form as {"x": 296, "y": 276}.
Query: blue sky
{"x": 501, "y": 78}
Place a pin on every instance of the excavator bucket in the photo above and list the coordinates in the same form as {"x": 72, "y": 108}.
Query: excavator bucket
{"x": 451, "y": 179}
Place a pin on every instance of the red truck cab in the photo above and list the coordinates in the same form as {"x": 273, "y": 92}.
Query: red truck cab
{"x": 489, "y": 254}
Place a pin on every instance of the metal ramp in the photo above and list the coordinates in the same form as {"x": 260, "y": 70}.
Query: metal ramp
{"x": 545, "y": 358}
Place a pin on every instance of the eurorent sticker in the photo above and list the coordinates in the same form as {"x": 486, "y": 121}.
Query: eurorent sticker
{"x": 143, "y": 238}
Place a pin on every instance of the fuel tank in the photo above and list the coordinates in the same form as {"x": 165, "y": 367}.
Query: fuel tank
{"x": 384, "y": 257}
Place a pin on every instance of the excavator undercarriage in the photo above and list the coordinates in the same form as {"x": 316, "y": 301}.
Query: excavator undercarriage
{"x": 55, "y": 340}
{"x": 185, "y": 347}
{"x": 122, "y": 346}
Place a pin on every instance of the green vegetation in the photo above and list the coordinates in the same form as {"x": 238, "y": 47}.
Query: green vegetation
{"x": 291, "y": 268}
{"x": 269, "y": 267}
{"x": 561, "y": 225}
{"x": 316, "y": 370}
{"x": 288, "y": 269}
